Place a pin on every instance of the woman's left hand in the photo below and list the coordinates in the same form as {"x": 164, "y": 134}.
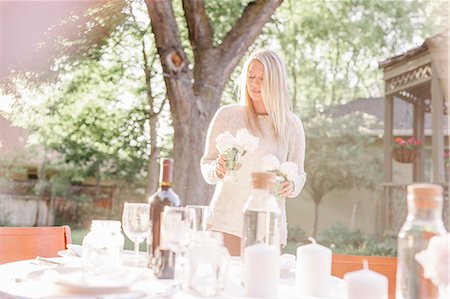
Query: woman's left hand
{"x": 287, "y": 187}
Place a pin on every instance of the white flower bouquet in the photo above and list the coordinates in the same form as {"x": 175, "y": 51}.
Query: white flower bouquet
{"x": 285, "y": 171}
{"x": 435, "y": 260}
{"x": 235, "y": 147}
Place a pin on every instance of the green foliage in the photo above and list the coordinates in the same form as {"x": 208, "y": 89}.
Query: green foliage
{"x": 339, "y": 155}
{"x": 343, "y": 240}
{"x": 332, "y": 48}
{"x": 75, "y": 211}
{"x": 297, "y": 235}
{"x": 96, "y": 116}
{"x": 340, "y": 239}
{"x": 223, "y": 15}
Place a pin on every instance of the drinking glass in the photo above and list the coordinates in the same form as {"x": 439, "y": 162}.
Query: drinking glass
{"x": 207, "y": 263}
{"x": 199, "y": 217}
{"x": 232, "y": 164}
{"x": 175, "y": 234}
{"x": 136, "y": 224}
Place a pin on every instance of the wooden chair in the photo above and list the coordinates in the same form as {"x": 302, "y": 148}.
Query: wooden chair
{"x": 387, "y": 266}
{"x": 20, "y": 243}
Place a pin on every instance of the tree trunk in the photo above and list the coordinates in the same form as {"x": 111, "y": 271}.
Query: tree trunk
{"x": 153, "y": 167}
{"x": 153, "y": 116}
{"x": 51, "y": 210}
{"x": 194, "y": 93}
{"x": 188, "y": 149}
{"x": 316, "y": 217}
{"x": 98, "y": 185}
{"x": 41, "y": 185}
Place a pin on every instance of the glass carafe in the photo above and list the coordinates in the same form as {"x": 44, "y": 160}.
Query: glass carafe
{"x": 206, "y": 264}
{"x": 104, "y": 243}
{"x": 423, "y": 222}
{"x": 261, "y": 213}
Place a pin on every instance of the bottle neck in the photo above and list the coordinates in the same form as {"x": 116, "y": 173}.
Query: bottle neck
{"x": 165, "y": 177}
{"x": 421, "y": 213}
{"x": 165, "y": 185}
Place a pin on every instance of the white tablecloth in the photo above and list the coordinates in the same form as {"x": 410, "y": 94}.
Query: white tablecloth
{"x": 15, "y": 282}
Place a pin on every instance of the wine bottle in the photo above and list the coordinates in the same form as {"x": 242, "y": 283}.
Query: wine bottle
{"x": 161, "y": 258}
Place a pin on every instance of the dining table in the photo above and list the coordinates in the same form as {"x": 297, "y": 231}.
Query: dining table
{"x": 42, "y": 278}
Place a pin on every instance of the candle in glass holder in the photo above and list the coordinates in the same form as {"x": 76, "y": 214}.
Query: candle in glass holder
{"x": 313, "y": 269}
{"x": 261, "y": 270}
{"x": 366, "y": 284}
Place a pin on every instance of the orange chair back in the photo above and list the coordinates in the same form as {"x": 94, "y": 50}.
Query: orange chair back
{"x": 387, "y": 266}
{"x": 20, "y": 243}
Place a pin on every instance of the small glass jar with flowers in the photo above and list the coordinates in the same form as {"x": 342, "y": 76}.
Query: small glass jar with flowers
{"x": 406, "y": 150}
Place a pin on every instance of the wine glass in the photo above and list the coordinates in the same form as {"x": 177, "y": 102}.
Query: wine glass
{"x": 136, "y": 224}
{"x": 199, "y": 217}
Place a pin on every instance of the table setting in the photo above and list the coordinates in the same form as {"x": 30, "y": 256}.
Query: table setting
{"x": 101, "y": 268}
{"x": 200, "y": 265}
{"x": 68, "y": 279}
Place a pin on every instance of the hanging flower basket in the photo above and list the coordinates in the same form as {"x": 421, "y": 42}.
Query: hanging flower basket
{"x": 406, "y": 150}
{"x": 403, "y": 155}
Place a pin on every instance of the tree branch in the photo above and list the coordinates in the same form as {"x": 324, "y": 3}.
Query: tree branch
{"x": 200, "y": 30}
{"x": 174, "y": 61}
{"x": 167, "y": 38}
{"x": 244, "y": 32}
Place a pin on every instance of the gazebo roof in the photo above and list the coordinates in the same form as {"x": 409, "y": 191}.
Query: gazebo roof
{"x": 409, "y": 74}
{"x": 440, "y": 40}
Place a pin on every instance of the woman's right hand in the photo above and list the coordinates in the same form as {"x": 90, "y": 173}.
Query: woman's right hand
{"x": 221, "y": 169}
{"x": 221, "y": 166}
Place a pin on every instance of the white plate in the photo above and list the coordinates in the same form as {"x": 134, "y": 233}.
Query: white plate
{"x": 89, "y": 281}
{"x": 67, "y": 254}
{"x": 75, "y": 249}
{"x": 127, "y": 255}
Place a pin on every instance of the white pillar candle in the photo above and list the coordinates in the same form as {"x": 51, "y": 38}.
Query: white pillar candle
{"x": 313, "y": 269}
{"x": 261, "y": 270}
{"x": 366, "y": 284}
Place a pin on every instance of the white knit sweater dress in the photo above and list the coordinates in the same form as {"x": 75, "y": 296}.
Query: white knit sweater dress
{"x": 230, "y": 196}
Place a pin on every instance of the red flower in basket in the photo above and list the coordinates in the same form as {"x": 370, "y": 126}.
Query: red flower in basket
{"x": 404, "y": 150}
{"x": 447, "y": 158}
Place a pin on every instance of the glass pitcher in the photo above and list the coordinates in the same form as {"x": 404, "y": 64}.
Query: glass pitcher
{"x": 206, "y": 264}
{"x": 423, "y": 222}
{"x": 261, "y": 213}
{"x": 104, "y": 243}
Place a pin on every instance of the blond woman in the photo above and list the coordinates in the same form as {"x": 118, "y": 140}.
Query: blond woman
{"x": 266, "y": 111}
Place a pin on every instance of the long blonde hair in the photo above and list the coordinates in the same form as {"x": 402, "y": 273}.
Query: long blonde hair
{"x": 274, "y": 93}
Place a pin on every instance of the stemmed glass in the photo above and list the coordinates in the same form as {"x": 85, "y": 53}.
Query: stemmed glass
{"x": 199, "y": 217}
{"x": 136, "y": 224}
